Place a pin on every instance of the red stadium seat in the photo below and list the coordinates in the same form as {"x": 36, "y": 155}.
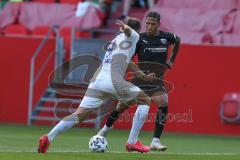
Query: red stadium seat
{"x": 44, "y": 1}
{"x": 230, "y": 108}
{"x": 231, "y": 39}
{"x": 238, "y": 4}
{"x": 236, "y": 25}
{"x": 198, "y": 4}
{"x": 66, "y": 32}
{"x": 16, "y": 30}
{"x": 71, "y": 1}
{"x": 41, "y": 31}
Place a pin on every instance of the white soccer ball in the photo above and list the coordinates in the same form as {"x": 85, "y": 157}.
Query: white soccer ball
{"x": 98, "y": 144}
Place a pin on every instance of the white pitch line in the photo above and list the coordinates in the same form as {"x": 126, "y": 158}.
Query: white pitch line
{"x": 34, "y": 150}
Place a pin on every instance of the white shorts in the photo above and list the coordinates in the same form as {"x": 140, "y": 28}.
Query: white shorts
{"x": 100, "y": 90}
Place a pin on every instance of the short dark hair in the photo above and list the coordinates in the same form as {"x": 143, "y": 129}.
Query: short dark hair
{"x": 154, "y": 15}
{"x": 134, "y": 23}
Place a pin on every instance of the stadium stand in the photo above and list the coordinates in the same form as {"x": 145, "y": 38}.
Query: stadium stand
{"x": 191, "y": 20}
{"x": 231, "y": 39}
{"x": 44, "y": 1}
{"x": 41, "y": 31}
{"x": 35, "y": 14}
{"x": 9, "y": 14}
{"x": 16, "y": 30}
{"x": 3, "y": 3}
{"x": 214, "y": 22}
{"x": 201, "y": 23}
{"x": 236, "y": 25}
{"x": 70, "y": 1}
{"x": 198, "y": 4}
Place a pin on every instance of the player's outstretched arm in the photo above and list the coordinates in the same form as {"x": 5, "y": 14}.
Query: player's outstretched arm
{"x": 124, "y": 28}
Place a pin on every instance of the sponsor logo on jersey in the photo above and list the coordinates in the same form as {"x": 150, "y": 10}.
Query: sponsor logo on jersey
{"x": 155, "y": 50}
{"x": 163, "y": 41}
{"x": 145, "y": 41}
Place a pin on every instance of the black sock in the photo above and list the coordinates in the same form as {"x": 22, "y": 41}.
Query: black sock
{"x": 160, "y": 121}
{"x": 112, "y": 118}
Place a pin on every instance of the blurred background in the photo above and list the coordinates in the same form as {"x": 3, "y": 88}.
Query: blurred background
{"x": 41, "y": 74}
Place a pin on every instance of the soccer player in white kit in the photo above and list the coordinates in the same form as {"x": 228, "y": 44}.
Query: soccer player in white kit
{"x": 108, "y": 81}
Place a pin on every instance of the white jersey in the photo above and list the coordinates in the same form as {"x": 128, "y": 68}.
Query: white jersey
{"x": 109, "y": 78}
{"x": 120, "y": 46}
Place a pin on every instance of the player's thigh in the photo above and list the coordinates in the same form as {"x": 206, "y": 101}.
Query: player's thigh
{"x": 141, "y": 98}
{"x": 91, "y": 101}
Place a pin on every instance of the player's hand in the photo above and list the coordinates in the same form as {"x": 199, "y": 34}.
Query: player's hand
{"x": 152, "y": 74}
{"x": 121, "y": 24}
{"x": 150, "y": 77}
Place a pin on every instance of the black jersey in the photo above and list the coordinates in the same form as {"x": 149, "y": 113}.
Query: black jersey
{"x": 154, "y": 49}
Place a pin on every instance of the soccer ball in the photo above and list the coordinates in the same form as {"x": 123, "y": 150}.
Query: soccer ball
{"x": 98, "y": 144}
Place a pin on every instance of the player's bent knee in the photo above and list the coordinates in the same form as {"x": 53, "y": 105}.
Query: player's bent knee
{"x": 163, "y": 104}
{"x": 123, "y": 106}
{"x": 161, "y": 101}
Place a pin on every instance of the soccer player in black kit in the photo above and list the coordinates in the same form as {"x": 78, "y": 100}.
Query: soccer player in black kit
{"x": 152, "y": 49}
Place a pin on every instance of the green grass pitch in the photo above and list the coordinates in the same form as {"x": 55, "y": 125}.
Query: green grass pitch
{"x": 20, "y": 143}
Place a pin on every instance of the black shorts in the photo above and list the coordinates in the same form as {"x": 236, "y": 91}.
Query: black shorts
{"x": 150, "y": 88}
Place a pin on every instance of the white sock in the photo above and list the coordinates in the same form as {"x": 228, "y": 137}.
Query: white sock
{"x": 65, "y": 124}
{"x": 138, "y": 121}
{"x": 104, "y": 131}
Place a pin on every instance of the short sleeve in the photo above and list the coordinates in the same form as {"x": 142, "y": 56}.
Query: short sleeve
{"x": 172, "y": 38}
{"x": 134, "y": 35}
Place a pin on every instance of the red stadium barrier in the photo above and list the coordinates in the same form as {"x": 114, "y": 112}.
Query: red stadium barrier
{"x": 201, "y": 76}
{"x": 15, "y": 60}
